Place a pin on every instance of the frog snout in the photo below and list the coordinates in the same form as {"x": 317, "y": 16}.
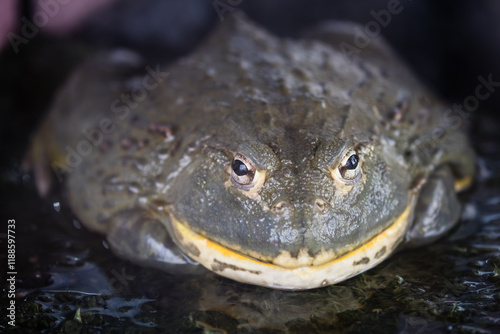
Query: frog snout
{"x": 282, "y": 206}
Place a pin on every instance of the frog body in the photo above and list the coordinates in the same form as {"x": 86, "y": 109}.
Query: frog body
{"x": 270, "y": 161}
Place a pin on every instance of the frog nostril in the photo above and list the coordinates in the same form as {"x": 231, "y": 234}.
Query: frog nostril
{"x": 321, "y": 205}
{"x": 280, "y": 207}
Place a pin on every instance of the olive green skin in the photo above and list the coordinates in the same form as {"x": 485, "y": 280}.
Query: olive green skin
{"x": 293, "y": 107}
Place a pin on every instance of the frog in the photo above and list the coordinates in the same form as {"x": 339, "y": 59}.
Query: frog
{"x": 287, "y": 163}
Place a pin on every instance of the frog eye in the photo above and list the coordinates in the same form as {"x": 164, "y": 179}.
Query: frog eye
{"x": 243, "y": 172}
{"x": 349, "y": 169}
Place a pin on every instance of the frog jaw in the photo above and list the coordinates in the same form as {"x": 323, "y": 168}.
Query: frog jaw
{"x": 239, "y": 267}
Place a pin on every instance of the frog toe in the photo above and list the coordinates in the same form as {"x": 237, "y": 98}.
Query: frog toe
{"x": 136, "y": 236}
{"x": 437, "y": 209}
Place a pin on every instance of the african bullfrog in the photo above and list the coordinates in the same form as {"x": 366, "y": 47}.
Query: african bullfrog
{"x": 291, "y": 164}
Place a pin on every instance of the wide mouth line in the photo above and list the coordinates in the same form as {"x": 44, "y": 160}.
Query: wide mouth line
{"x": 243, "y": 268}
{"x": 184, "y": 227}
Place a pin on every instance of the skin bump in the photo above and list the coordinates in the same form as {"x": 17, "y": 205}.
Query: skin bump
{"x": 364, "y": 260}
{"x": 380, "y": 252}
{"x": 303, "y": 258}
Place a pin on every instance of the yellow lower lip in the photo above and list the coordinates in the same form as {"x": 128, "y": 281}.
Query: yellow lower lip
{"x": 463, "y": 183}
{"x": 248, "y": 270}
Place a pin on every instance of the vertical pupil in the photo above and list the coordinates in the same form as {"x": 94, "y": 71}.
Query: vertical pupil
{"x": 352, "y": 162}
{"x": 239, "y": 168}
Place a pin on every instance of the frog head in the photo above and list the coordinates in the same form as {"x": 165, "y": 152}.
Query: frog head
{"x": 284, "y": 204}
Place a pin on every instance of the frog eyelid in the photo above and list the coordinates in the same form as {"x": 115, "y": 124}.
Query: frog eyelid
{"x": 260, "y": 155}
{"x": 334, "y": 168}
{"x": 339, "y": 156}
{"x": 239, "y": 186}
{"x": 249, "y": 182}
{"x": 354, "y": 181}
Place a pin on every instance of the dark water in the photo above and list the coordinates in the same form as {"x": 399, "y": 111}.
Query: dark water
{"x": 68, "y": 281}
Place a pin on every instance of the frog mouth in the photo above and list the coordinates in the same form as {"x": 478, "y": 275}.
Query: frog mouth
{"x": 239, "y": 267}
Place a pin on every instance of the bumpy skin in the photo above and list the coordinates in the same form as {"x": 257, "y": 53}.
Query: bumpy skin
{"x": 295, "y": 110}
